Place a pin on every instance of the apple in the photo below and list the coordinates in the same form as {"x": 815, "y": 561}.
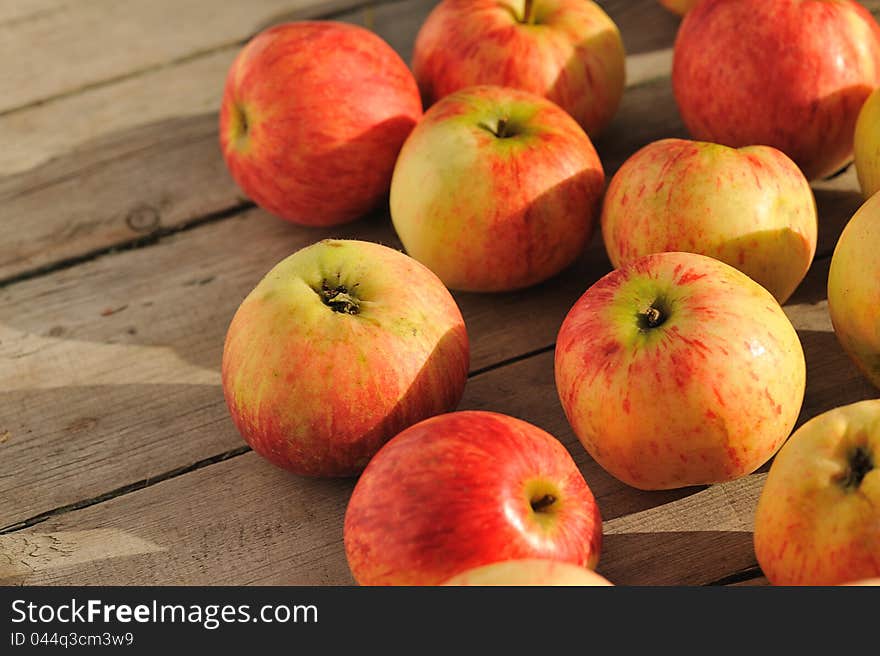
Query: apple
{"x": 867, "y": 145}
{"x": 312, "y": 119}
{"x": 864, "y": 582}
{"x": 854, "y": 289}
{"x": 569, "y": 51}
{"x": 496, "y": 189}
{"x": 340, "y": 347}
{"x": 751, "y": 208}
{"x": 529, "y": 571}
{"x": 463, "y": 490}
{"x": 818, "y": 516}
{"x": 680, "y": 7}
{"x": 788, "y": 74}
{"x": 678, "y": 370}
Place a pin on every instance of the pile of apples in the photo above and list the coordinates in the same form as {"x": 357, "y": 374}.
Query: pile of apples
{"x": 678, "y": 368}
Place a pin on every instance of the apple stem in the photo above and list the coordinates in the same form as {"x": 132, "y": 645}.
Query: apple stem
{"x": 860, "y": 463}
{"x": 538, "y": 505}
{"x": 528, "y": 17}
{"x": 501, "y": 130}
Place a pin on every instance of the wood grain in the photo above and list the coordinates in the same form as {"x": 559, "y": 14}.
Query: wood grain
{"x": 287, "y": 530}
{"x": 91, "y": 42}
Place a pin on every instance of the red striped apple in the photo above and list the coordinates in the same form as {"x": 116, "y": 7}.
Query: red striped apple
{"x": 679, "y": 370}
{"x": 529, "y": 571}
{"x": 340, "y": 347}
{"x": 569, "y": 51}
{"x": 464, "y": 490}
{"x": 751, "y": 208}
{"x": 854, "y": 289}
{"x": 791, "y": 74}
{"x": 313, "y": 117}
{"x": 496, "y": 189}
{"x": 818, "y": 517}
{"x": 867, "y": 145}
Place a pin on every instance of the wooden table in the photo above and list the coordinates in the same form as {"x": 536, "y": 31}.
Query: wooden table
{"x": 126, "y": 249}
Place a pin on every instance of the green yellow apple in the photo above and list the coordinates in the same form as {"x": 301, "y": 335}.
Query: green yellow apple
{"x": 867, "y": 145}
{"x": 496, "y": 189}
{"x": 854, "y": 289}
{"x": 818, "y": 517}
{"x": 751, "y": 208}
{"x": 341, "y": 346}
{"x": 678, "y": 370}
{"x": 529, "y": 571}
{"x": 680, "y": 7}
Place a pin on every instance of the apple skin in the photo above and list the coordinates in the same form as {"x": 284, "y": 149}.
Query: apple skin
{"x": 751, "y": 208}
{"x": 680, "y": 7}
{"x": 312, "y": 119}
{"x": 818, "y": 517}
{"x": 529, "y": 572}
{"x": 788, "y": 74}
{"x": 867, "y": 145}
{"x": 318, "y": 391}
{"x": 572, "y": 54}
{"x": 487, "y": 213}
{"x": 463, "y": 490}
{"x": 704, "y": 394}
{"x": 854, "y": 289}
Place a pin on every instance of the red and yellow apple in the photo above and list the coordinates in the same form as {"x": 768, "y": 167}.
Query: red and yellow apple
{"x": 464, "y": 490}
{"x": 680, "y": 7}
{"x": 788, "y": 74}
{"x": 529, "y": 572}
{"x": 340, "y": 347}
{"x": 867, "y": 145}
{"x": 569, "y": 51}
{"x": 818, "y": 517}
{"x": 678, "y": 370}
{"x": 496, "y": 189}
{"x": 313, "y": 117}
{"x": 854, "y": 289}
{"x": 751, "y": 208}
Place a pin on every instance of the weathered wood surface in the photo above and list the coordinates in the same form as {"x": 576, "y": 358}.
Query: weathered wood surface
{"x": 116, "y": 452}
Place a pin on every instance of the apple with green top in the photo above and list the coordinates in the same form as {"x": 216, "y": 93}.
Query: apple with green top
{"x": 464, "y": 490}
{"x": 751, "y": 208}
{"x": 818, "y": 517}
{"x": 340, "y": 347}
{"x": 530, "y": 572}
{"x": 788, "y": 73}
{"x": 867, "y": 145}
{"x": 678, "y": 370}
{"x": 313, "y": 117}
{"x": 496, "y": 189}
{"x": 854, "y": 289}
{"x": 569, "y": 51}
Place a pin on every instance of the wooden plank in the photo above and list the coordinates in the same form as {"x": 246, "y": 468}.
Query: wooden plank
{"x": 119, "y": 162}
{"x": 175, "y": 532}
{"x": 59, "y": 48}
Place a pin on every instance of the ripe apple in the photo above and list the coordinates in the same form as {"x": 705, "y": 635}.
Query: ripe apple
{"x": 788, "y": 74}
{"x": 818, "y": 517}
{"x": 867, "y": 145}
{"x": 313, "y": 117}
{"x": 340, "y": 347}
{"x": 464, "y": 490}
{"x": 496, "y": 189}
{"x": 751, "y": 208}
{"x": 529, "y": 571}
{"x": 569, "y": 51}
{"x": 680, "y": 7}
{"x": 854, "y": 289}
{"x": 679, "y": 370}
